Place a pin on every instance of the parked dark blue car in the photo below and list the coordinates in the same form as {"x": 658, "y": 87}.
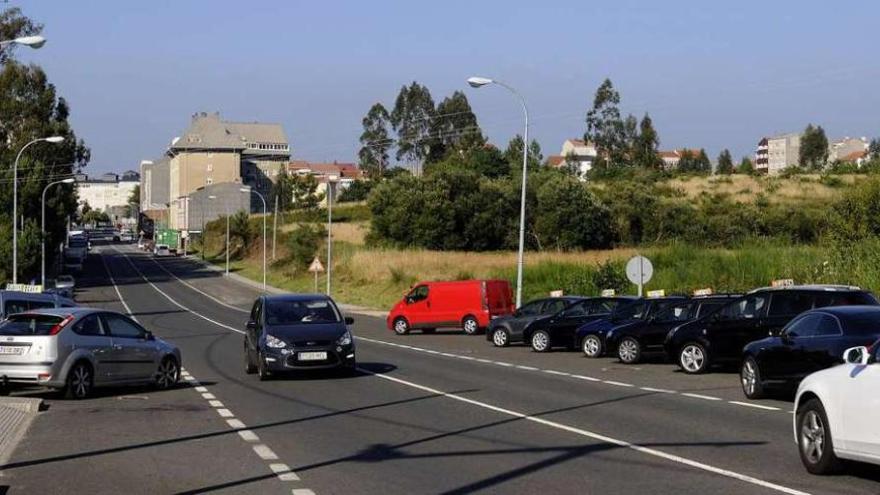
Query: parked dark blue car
{"x": 591, "y": 337}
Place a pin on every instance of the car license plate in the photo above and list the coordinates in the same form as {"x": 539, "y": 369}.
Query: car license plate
{"x": 15, "y": 350}
{"x": 312, "y": 356}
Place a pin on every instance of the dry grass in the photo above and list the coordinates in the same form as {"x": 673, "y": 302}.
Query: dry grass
{"x": 350, "y": 232}
{"x": 746, "y": 188}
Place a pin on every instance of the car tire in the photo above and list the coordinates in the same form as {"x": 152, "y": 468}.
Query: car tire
{"x": 249, "y": 367}
{"x": 470, "y": 325}
{"x": 168, "y": 374}
{"x": 401, "y": 326}
{"x": 500, "y": 337}
{"x": 592, "y": 346}
{"x": 540, "y": 341}
{"x": 693, "y": 358}
{"x": 815, "y": 445}
{"x": 80, "y": 381}
{"x": 750, "y": 379}
{"x": 262, "y": 369}
{"x": 629, "y": 351}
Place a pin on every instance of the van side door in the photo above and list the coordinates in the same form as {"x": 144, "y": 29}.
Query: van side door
{"x": 418, "y": 306}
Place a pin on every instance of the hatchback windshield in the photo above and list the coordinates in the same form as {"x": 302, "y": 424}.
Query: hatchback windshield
{"x": 632, "y": 311}
{"x": 298, "y": 312}
{"x": 25, "y": 324}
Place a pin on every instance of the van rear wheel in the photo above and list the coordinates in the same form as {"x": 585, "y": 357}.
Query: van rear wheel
{"x": 470, "y": 325}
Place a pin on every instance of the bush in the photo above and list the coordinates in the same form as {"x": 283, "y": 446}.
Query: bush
{"x": 568, "y": 216}
{"x": 304, "y": 242}
{"x": 359, "y": 190}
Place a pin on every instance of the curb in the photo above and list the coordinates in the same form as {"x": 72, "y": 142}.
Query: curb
{"x": 16, "y": 416}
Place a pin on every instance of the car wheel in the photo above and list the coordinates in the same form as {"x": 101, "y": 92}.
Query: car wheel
{"x": 500, "y": 338}
{"x": 168, "y": 374}
{"x": 79, "y": 381}
{"x": 750, "y": 378}
{"x": 541, "y": 341}
{"x": 815, "y": 444}
{"x": 592, "y": 346}
{"x": 693, "y": 358}
{"x": 629, "y": 351}
{"x": 262, "y": 369}
{"x": 401, "y": 326}
{"x": 249, "y": 367}
{"x": 470, "y": 325}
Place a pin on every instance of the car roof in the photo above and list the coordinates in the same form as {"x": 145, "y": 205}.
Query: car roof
{"x": 810, "y": 287}
{"x": 76, "y": 311}
{"x": 296, "y": 297}
{"x": 849, "y": 311}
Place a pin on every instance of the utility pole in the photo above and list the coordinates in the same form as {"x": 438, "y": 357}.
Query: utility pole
{"x": 274, "y": 227}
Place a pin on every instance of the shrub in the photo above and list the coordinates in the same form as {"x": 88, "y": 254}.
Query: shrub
{"x": 304, "y": 242}
{"x": 359, "y": 190}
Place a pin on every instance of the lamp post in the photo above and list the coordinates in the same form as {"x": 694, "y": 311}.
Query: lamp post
{"x": 29, "y": 41}
{"x": 227, "y": 239}
{"x": 43, "y": 227}
{"x": 204, "y": 232}
{"x": 478, "y": 82}
{"x": 53, "y": 139}
{"x": 265, "y": 212}
{"x": 329, "y": 229}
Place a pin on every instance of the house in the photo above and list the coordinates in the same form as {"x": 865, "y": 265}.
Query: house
{"x": 575, "y": 153}
{"x": 859, "y": 157}
{"x": 847, "y": 147}
{"x": 673, "y": 157}
{"x": 338, "y": 175}
{"x": 213, "y": 151}
{"x": 107, "y": 193}
{"x": 782, "y": 152}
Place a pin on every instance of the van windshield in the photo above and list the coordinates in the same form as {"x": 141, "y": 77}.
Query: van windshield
{"x": 28, "y": 324}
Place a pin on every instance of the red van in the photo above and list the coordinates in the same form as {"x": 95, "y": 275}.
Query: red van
{"x": 465, "y": 304}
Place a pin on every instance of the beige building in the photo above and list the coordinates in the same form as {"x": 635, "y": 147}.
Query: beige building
{"x": 214, "y": 151}
{"x": 109, "y": 193}
{"x": 782, "y": 152}
{"x": 846, "y": 148}
{"x": 575, "y": 153}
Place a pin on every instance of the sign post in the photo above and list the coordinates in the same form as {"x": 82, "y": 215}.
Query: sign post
{"x": 639, "y": 271}
{"x": 316, "y": 267}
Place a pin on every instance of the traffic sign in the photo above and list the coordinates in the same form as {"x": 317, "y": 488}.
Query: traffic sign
{"x": 316, "y": 266}
{"x": 639, "y": 271}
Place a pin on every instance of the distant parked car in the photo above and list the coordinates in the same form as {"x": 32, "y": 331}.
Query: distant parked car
{"x": 467, "y": 304}
{"x": 506, "y": 330}
{"x": 721, "y": 336}
{"x": 632, "y": 341}
{"x": 14, "y": 302}
{"x": 592, "y": 335}
{"x": 297, "y": 332}
{"x": 813, "y": 341}
{"x": 142, "y": 244}
{"x": 559, "y": 330}
{"x": 76, "y": 349}
{"x": 65, "y": 285}
{"x": 836, "y": 413}
{"x": 161, "y": 250}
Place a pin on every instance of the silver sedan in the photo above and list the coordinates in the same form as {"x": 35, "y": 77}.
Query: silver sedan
{"x": 76, "y": 349}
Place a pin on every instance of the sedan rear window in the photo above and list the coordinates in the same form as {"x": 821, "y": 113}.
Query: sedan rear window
{"x": 865, "y": 324}
{"x": 299, "y": 312}
{"x": 24, "y": 324}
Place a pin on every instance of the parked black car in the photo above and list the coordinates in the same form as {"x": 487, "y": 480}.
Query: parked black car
{"x": 590, "y": 337}
{"x": 559, "y": 329}
{"x": 508, "y": 330}
{"x": 813, "y": 341}
{"x": 297, "y": 332}
{"x": 721, "y": 336}
{"x": 631, "y": 341}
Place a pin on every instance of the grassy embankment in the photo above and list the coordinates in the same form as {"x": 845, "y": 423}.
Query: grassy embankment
{"x": 376, "y": 277}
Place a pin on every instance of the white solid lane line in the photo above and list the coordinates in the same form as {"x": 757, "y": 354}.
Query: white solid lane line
{"x": 596, "y": 436}
{"x": 756, "y": 406}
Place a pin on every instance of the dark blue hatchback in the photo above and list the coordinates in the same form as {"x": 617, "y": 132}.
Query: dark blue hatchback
{"x": 297, "y": 332}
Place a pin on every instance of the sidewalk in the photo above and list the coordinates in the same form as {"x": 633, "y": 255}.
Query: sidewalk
{"x": 16, "y": 415}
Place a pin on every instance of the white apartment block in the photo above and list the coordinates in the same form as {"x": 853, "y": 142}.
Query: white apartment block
{"x": 782, "y": 152}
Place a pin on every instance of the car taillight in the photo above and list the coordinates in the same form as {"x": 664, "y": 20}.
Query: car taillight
{"x": 63, "y": 323}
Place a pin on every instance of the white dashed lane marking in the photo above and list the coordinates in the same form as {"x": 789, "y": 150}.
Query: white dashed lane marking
{"x": 265, "y": 452}
{"x": 757, "y": 406}
{"x": 699, "y": 396}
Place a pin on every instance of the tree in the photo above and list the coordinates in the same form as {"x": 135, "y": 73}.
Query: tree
{"x": 358, "y": 190}
{"x": 240, "y": 229}
{"x": 375, "y": 142}
{"x": 814, "y": 148}
{"x": 284, "y": 189}
{"x": 94, "y": 217}
{"x": 568, "y": 216}
{"x": 304, "y": 242}
{"x": 704, "y": 166}
{"x": 725, "y": 163}
{"x": 605, "y": 129}
{"x": 304, "y": 192}
{"x": 874, "y": 149}
{"x": 746, "y": 166}
{"x": 644, "y": 150}
{"x": 30, "y": 108}
{"x": 412, "y": 120}
{"x": 14, "y": 25}
{"x": 455, "y": 127}
{"x": 513, "y": 154}
{"x": 134, "y": 199}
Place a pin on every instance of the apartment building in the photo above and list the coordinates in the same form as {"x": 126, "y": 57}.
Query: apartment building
{"x": 109, "y": 193}
{"x": 782, "y": 152}
{"x": 762, "y": 157}
{"x": 576, "y": 153}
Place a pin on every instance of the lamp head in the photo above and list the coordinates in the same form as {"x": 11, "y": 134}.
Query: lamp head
{"x": 54, "y": 139}
{"x": 31, "y": 41}
{"x": 70, "y": 180}
{"x": 478, "y": 82}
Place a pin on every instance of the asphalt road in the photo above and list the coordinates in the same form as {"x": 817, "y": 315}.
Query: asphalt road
{"x": 443, "y": 413}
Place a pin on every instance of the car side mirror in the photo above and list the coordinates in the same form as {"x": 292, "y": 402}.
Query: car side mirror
{"x": 149, "y": 335}
{"x": 251, "y": 325}
{"x": 856, "y": 355}
{"x": 349, "y": 320}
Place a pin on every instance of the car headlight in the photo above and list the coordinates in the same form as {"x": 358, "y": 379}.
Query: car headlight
{"x": 274, "y": 342}
{"x": 345, "y": 339}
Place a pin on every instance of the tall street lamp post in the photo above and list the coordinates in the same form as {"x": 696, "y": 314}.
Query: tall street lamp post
{"x": 53, "y": 139}
{"x": 478, "y": 82}
{"x": 43, "y": 227}
{"x": 265, "y": 212}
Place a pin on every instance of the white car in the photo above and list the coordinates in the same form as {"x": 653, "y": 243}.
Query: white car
{"x": 837, "y": 411}
{"x": 162, "y": 250}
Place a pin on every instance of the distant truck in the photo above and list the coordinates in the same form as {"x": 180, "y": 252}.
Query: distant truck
{"x": 168, "y": 237}
{"x": 75, "y": 250}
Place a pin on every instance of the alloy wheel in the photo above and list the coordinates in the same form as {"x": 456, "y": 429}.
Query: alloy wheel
{"x": 81, "y": 382}
{"x": 592, "y": 346}
{"x": 540, "y": 341}
{"x": 499, "y": 338}
{"x": 470, "y": 326}
{"x": 168, "y": 374}
{"x": 692, "y": 358}
{"x": 749, "y": 378}
{"x": 812, "y": 437}
{"x": 628, "y": 351}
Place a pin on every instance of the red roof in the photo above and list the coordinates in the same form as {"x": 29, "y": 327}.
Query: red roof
{"x": 555, "y": 160}
{"x": 855, "y": 156}
{"x": 334, "y": 168}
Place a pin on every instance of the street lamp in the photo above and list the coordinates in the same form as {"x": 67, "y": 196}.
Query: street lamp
{"x": 69, "y": 180}
{"x": 478, "y": 82}
{"x": 204, "y": 233}
{"x": 265, "y": 212}
{"x": 52, "y": 139}
{"x": 31, "y": 41}
{"x": 329, "y": 229}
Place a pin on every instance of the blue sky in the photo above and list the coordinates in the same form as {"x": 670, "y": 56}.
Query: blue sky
{"x": 711, "y": 74}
